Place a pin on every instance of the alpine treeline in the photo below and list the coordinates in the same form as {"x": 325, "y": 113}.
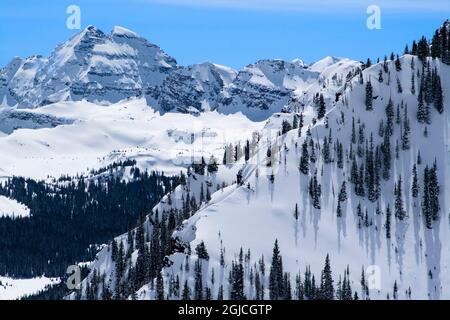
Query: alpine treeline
{"x": 439, "y": 47}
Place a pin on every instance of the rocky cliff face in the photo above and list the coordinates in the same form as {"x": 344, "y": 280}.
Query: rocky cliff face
{"x": 92, "y": 66}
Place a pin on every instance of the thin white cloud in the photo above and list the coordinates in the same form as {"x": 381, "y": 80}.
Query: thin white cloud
{"x": 315, "y": 5}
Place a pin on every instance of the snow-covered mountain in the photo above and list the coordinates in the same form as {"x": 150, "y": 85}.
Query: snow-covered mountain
{"x": 270, "y": 86}
{"x": 337, "y": 162}
{"x": 107, "y": 68}
{"x": 194, "y": 88}
{"x": 362, "y": 199}
{"x": 92, "y": 66}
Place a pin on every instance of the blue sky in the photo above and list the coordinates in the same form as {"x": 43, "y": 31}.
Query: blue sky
{"x": 229, "y": 32}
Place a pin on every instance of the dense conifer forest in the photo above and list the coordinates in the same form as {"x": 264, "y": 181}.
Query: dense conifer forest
{"x": 72, "y": 216}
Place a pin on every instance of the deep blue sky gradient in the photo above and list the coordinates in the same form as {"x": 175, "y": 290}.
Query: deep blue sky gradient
{"x": 228, "y": 35}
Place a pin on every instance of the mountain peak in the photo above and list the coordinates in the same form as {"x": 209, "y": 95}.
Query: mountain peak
{"x": 299, "y": 62}
{"x": 121, "y": 31}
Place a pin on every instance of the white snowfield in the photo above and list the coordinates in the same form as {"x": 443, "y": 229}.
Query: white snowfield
{"x": 12, "y": 208}
{"x": 100, "y": 135}
{"x": 12, "y": 289}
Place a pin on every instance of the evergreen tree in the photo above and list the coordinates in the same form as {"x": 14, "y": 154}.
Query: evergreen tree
{"x": 198, "y": 281}
{"x": 304, "y": 159}
{"x": 114, "y": 250}
{"x": 387, "y": 224}
{"x": 399, "y": 208}
{"x": 199, "y": 168}
{"x": 430, "y": 201}
{"x": 380, "y": 76}
{"x": 237, "y": 279}
{"x": 434, "y": 190}
{"x": 300, "y": 125}
{"x": 369, "y": 96}
{"x": 322, "y": 108}
{"x": 422, "y": 49}
{"x": 415, "y": 183}
{"x": 276, "y": 274}
{"x": 212, "y": 165}
{"x": 315, "y": 191}
{"x": 326, "y": 151}
{"x": 398, "y": 64}
{"x": 437, "y": 94}
{"x": 159, "y": 287}
{"x": 220, "y": 293}
{"x": 340, "y": 155}
{"x": 364, "y": 287}
{"x": 186, "y": 294}
{"x": 423, "y": 114}
{"x": 201, "y": 251}
{"x": 141, "y": 270}
{"x": 285, "y": 127}
{"x": 326, "y": 283}
{"x": 406, "y": 130}
{"x": 395, "y": 293}
{"x": 338, "y": 209}
{"x": 295, "y": 122}
{"x": 343, "y": 192}
{"x": 390, "y": 116}
{"x": 247, "y": 151}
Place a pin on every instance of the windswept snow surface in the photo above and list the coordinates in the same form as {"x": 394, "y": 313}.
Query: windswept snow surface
{"x": 12, "y": 289}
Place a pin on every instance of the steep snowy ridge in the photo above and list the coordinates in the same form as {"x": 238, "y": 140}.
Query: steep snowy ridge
{"x": 262, "y": 207}
{"x": 270, "y": 86}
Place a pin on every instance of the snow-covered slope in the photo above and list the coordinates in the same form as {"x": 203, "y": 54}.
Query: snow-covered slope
{"x": 252, "y": 218}
{"x": 402, "y": 251}
{"x": 12, "y": 208}
{"x": 12, "y": 289}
